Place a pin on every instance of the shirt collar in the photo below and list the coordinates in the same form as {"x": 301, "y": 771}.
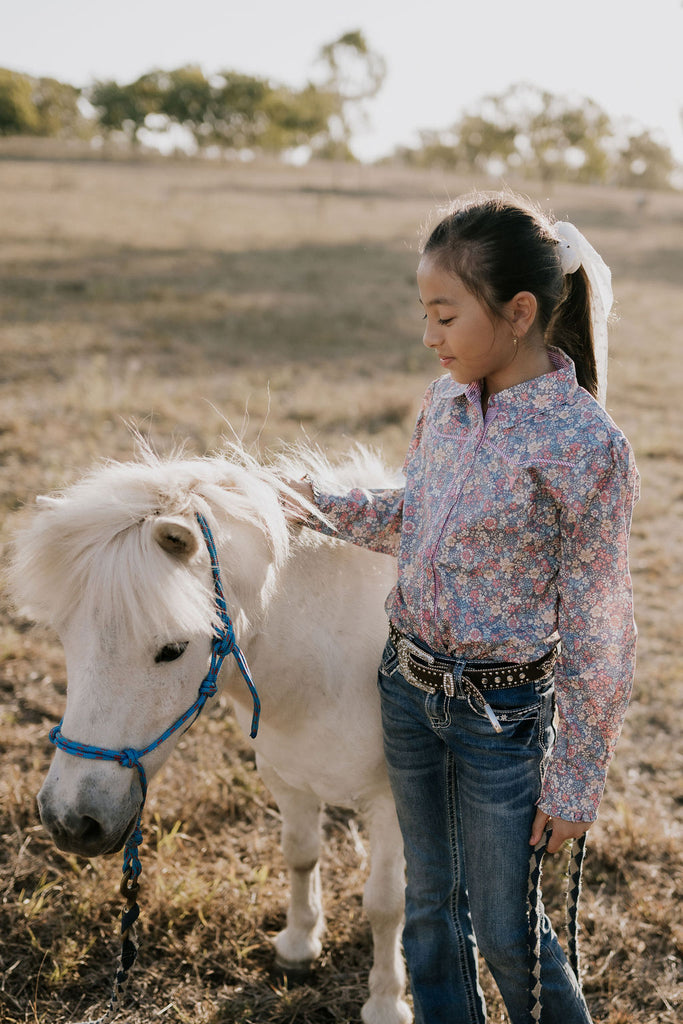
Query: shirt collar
{"x": 540, "y": 394}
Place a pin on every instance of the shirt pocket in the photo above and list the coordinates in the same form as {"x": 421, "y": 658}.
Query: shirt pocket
{"x": 517, "y": 456}
{"x": 446, "y": 421}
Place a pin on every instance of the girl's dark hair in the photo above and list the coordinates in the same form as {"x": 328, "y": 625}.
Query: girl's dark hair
{"x": 500, "y": 245}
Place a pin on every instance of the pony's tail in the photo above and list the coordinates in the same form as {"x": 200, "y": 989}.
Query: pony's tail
{"x": 571, "y": 329}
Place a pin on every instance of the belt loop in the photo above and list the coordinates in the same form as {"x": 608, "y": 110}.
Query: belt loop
{"x": 453, "y": 680}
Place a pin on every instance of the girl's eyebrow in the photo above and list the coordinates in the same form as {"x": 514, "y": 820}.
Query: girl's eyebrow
{"x": 440, "y": 300}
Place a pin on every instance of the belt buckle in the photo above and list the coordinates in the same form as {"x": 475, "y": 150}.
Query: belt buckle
{"x": 404, "y": 649}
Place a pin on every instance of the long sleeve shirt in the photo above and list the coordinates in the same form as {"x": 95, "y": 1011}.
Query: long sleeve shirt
{"x": 512, "y": 533}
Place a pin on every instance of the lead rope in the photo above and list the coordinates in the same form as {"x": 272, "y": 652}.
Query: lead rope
{"x": 129, "y": 950}
{"x": 223, "y": 643}
{"x": 574, "y": 870}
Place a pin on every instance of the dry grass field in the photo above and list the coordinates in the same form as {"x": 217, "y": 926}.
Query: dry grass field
{"x": 179, "y": 296}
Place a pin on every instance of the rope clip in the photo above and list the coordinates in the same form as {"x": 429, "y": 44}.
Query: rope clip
{"x": 129, "y": 886}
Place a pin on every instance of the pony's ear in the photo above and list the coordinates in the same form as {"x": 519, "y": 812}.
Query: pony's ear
{"x": 175, "y": 536}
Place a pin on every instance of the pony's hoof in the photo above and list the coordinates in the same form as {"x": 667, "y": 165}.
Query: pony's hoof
{"x": 292, "y": 974}
{"x": 297, "y": 949}
{"x": 385, "y": 1010}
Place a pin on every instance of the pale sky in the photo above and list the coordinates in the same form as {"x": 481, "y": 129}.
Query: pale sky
{"x": 442, "y": 55}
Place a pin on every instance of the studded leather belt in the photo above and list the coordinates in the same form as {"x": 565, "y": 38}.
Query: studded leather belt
{"x": 432, "y": 672}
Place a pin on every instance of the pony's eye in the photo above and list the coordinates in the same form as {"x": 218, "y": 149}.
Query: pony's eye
{"x": 170, "y": 652}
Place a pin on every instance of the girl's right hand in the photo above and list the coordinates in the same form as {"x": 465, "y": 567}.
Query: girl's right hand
{"x": 295, "y": 512}
{"x": 562, "y": 830}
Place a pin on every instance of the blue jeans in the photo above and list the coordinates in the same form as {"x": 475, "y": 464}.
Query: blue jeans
{"x": 466, "y": 797}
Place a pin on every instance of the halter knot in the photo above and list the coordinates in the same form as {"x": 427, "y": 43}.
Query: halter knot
{"x": 128, "y": 758}
{"x": 208, "y": 687}
{"x": 224, "y": 644}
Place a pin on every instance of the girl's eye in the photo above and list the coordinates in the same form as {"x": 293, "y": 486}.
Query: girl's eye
{"x": 442, "y": 323}
{"x": 170, "y": 652}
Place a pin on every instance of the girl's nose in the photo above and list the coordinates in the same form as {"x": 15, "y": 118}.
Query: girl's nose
{"x": 432, "y": 335}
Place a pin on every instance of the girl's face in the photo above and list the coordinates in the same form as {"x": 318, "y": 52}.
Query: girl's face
{"x": 470, "y": 343}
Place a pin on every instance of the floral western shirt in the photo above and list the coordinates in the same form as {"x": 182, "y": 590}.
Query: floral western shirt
{"x": 511, "y": 534}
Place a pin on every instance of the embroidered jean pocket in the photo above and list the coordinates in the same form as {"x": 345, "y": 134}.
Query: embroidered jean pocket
{"x": 521, "y": 711}
{"x": 389, "y": 662}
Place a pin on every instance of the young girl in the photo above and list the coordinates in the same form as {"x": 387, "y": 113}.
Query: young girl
{"x": 513, "y": 599}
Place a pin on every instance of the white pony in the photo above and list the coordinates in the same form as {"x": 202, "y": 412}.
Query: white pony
{"x": 118, "y": 566}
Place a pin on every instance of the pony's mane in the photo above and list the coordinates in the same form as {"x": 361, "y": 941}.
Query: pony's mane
{"x": 93, "y": 541}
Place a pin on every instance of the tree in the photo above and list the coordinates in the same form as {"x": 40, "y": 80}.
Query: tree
{"x": 125, "y": 107}
{"x": 482, "y": 144}
{"x": 298, "y": 118}
{"x": 528, "y": 130}
{"x": 57, "y": 108}
{"x": 186, "y": 98}
{"x": 227, "y": 109}
{"x": 18, "y": 114}
{"x": 568, "y": 139}
{"x": 644, "y": 162}
{"x": 354, "y": 73}
{"x": 238, "y": 111}
{"x": 39, "y": 106}
{"x": 238, "y": 119}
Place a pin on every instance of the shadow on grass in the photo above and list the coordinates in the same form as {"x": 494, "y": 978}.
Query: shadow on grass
{"x": 179, "y": 308}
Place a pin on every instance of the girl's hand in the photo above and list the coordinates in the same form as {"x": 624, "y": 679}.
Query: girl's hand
{"x": 562, "y": 830}
{"x": 295, "y": 513}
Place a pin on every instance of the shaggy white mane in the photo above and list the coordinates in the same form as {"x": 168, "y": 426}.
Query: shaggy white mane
{"x": 93, "y": 542}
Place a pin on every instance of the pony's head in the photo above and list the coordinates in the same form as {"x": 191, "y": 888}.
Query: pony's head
{"x": 118, "y": 566}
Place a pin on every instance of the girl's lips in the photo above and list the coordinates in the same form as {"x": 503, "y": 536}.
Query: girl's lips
{"x": 445, "y": 360}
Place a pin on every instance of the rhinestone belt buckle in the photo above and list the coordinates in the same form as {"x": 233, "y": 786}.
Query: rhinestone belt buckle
{"x": 404, "y": 649}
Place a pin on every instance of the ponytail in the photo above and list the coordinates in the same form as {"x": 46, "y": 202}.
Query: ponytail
{"x": 571, "y": 329}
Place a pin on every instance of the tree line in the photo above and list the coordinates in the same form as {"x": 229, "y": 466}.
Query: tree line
{"x": 525, "y": 131}
{"x": 228, "y": 109}
{"x": 528, "y": 131}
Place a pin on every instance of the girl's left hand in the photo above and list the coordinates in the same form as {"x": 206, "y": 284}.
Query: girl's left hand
{"x": 562, "y": 830}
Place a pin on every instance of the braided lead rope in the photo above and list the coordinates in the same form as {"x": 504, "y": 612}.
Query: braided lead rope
{"x": 223, "y": 643}
{"x": 128, "y": 954}
{"x": 534, "y": 938}
{"x": 574, "y": 870}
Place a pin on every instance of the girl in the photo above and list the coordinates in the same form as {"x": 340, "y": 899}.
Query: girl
{"x": 513, "y": 599}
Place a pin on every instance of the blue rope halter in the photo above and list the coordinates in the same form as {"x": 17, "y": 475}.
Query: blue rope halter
{"x": 223, "y": 643}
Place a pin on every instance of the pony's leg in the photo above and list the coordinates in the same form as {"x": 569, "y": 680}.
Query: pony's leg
{"x": 298, "y": 945}
{"x": 383, "y": 902}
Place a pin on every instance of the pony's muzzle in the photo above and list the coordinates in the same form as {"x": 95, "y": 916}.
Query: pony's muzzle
{"x": 87, "y": 819}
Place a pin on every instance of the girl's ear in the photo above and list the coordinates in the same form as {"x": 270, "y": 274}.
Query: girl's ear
{"x": 521, "y": 312}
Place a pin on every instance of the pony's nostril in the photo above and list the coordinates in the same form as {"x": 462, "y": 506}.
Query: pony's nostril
{"x": 89, "y": 831}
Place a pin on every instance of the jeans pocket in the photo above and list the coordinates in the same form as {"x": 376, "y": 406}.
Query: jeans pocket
{"x": 524, "y": 713}
{"x": 511, "y": 704}
{"x": 389, "y": 662}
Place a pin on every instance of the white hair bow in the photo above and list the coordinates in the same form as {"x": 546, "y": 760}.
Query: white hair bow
{"x": 576, "y": 251}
